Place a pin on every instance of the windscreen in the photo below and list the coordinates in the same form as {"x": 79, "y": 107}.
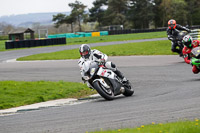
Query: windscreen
{"x": 196, "y": 52}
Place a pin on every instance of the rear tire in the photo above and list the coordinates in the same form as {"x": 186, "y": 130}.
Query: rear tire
{"x": 105, "y": 93}
{"x": 128, "y": 90}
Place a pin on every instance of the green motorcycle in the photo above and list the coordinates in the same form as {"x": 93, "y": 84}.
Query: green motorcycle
{"x": 195, "y": 54}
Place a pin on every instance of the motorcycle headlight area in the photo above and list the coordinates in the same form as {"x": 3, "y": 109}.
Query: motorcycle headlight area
{"x": 92, "y": 71}
{"x": 86, "y": 77}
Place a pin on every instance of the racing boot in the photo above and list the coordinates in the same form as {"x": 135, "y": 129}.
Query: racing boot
{"x": 181, "y": 54}
{"x": 121, "y": 76}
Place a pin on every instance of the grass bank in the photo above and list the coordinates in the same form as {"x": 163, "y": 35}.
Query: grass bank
{"x": 122, "y": 37}
{"x": 141, "y": 48}
{"x": 18, "y": 93}
{"x": 175, "y": 127}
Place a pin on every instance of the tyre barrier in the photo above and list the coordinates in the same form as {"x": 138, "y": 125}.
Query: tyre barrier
{"x": 128, "y": 31}
{"x": 34, "y": 43}
{"x": 195, "y": 34}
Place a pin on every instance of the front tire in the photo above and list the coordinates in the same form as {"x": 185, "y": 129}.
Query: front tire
{"x": 104, "y": 92}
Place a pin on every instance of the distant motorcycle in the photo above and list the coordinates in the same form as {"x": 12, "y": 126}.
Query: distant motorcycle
{"x": 195, "y": 54}
{"x": 179, "y": 37}
{"x": 105, "y": 81}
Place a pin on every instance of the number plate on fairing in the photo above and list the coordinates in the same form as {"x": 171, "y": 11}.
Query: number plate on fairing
{"x": 106, "y": 73}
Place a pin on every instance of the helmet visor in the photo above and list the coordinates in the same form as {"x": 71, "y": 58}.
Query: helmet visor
{"x": 172, "y": 25}
{"x": 84, "y": 53}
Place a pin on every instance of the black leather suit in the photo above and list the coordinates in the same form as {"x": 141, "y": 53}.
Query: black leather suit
{"x": 172, "y": 34}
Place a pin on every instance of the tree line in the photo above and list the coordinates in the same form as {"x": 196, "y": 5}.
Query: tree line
{"x": 132, "y": 14}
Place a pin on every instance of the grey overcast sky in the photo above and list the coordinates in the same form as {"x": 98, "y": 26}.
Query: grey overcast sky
{"x": 14, "y": 7}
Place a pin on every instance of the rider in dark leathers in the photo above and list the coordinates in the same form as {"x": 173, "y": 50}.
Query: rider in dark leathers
{"x": 172, "y": 34}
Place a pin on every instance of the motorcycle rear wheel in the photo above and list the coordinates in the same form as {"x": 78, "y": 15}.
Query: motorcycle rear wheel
{"x": 128, "y": 90}
{"x": 104, "y": 92}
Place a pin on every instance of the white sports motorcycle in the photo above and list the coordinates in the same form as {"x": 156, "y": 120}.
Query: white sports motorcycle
{"x": 105, "y": 81}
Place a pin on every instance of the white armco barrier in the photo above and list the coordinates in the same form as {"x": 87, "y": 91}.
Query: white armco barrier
{"x": 195, "y": 34}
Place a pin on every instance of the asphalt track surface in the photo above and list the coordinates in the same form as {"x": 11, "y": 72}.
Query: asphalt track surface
{"x": 165, "y": 90}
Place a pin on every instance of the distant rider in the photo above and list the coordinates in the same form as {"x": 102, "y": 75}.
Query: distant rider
{"x": 172, "y": 34}
{"x": 189, "y": 44}
{"x": 97, "y": 56}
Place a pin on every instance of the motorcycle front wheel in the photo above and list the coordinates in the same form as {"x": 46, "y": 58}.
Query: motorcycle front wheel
{"x": 106, "y": 93}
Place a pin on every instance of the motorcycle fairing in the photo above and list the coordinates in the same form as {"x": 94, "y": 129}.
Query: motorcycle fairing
{"x": 101, "y": 80}
{"x": 106, "y": 73}
{"x": 103, "y": 72}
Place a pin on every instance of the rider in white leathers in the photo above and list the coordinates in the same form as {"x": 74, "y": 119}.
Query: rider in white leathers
{"x": 97, "y": 56}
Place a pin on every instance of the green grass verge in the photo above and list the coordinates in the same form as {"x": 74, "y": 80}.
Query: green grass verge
{"x": 18, "y": 93}
{"x": 142, "y": 48}
{"x": 122, "y": 37}
{"x": 109, "y": 38}
{"x": 2, "y": 45}
{"x": 175, "y": 127}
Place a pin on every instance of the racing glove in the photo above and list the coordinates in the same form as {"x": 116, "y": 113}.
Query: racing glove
{"x": 170, "y": 37}
{"x": 83, "y": 80}
{"x": 101, "y": 61}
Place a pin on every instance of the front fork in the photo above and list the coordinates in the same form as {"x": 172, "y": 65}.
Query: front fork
{"x": 102, "y": 81}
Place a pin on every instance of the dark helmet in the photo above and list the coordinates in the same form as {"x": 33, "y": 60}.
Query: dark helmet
{"x": 85, "y": 51}
{"x": 187, "y": 41}
{"x": 172, "y": 24}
